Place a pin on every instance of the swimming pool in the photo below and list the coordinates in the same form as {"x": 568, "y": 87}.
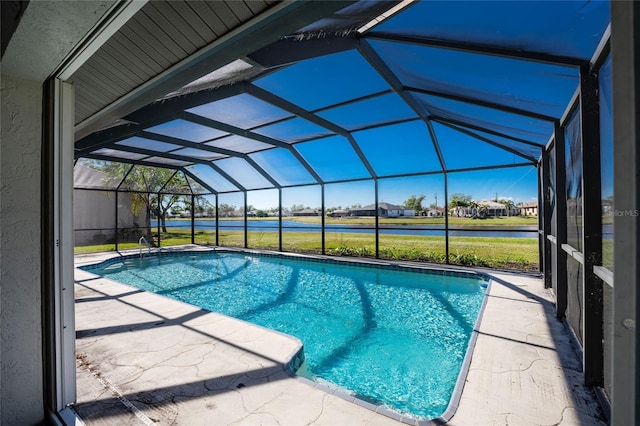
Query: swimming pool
{"x": 391, "y": 336}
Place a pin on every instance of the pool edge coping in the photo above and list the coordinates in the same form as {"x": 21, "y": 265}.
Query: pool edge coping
{"x": 456, "y": 395}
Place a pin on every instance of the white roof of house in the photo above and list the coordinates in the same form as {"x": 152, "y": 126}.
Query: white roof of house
{"x": 386, "y": 206}
{"x": 491, "y": 204}
{"x": 529, "y": 204}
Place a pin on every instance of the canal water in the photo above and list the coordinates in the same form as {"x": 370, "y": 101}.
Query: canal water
{"x": 521, "y": 231}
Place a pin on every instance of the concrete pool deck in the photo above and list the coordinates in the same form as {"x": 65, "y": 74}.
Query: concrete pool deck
{"x": 145, "y": 359}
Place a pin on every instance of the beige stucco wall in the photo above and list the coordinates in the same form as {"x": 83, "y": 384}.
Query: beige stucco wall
{"x": 21, "y": 393}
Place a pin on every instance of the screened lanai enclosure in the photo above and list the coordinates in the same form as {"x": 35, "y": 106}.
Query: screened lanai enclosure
{"x": 323, "y": 142}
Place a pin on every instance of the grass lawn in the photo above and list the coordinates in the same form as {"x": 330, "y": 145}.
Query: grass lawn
{"x": 607, "y": 254}
{"x": 510, "y": 253}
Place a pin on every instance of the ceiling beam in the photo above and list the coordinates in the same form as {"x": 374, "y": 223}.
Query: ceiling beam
{"x": 173, "y": 108}
{"x": 151, "y": 164}
{"x": 134, "y": 130}
{"x": 479, "y": 102}
{"x": 169, "y": 180}
{"x": 188, "y": 144}
{"x": 353, "y": 101}
{"x": 376, "y": 62}
{"x": 490, "y": 142}
{"x": 170, "y": 107}
{"x": 602, "y": 51}
{"x": 483, "y": 168}
{"x": 385, "y": 124}
{"x": 280, "y": 20}
{"x": 168, "y": 155}
{"x": 130, "y": 161}
{"x": 198, "y": 180}
{"x": 152, "y": 153}
{"x": 481, "y": 49}
{"x": 177, "y": 157}
{"x": 229, "y": 128}
{"x": 302, "y": 113}
{"x": 253, "y": 136}
{"x": 105, "y": 138}
{"x": 436, "y": 144}
{"x": 444, "y": 120}
{"x": 289, "y": 50}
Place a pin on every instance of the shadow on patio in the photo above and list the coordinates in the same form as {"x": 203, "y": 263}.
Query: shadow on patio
{"x": 143, "y": 359}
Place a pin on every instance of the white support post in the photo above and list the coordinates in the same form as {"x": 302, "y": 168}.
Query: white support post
{"x": 58, "y": 242}
{"x": 63, "y": 216}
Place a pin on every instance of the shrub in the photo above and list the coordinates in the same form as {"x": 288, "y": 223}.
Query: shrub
{"x": 467, "y": 259}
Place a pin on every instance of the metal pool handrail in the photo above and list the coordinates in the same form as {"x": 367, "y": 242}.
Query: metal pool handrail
{"x": 141, "y": 241}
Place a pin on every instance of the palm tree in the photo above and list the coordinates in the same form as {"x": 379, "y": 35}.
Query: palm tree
{"x": 509, "y": 205}
{"x": 483, "y": 209}
{"x": 459, "y": 200}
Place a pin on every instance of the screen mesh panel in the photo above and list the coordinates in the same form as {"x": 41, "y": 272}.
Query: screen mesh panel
{"x": 243, "y": 173}
{"x": 530, "y": 86}
{"x": 573, "y": 183}
{"x": 325, "y": 80}
{"x": 244, "y": 111}
{"x": 412, "y": 152}
{"x": 560, "y": 27}
{"x": 379, "y": 110}
{"x": 183, "y": 129}
{"x": 283, "y": 166}
{"x": 212, "y": 178}
{"x": 343, "y": 163}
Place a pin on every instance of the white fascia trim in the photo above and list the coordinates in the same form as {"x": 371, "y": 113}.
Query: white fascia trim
{"x": 384, "y": 16}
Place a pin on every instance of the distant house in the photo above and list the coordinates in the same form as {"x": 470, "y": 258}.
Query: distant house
{"x": 485, "y": 208}
{"x": 339, "y": 213}
{"x": 384, "y": 210}
{"x": 529, "y": 209}
{"x": 307, "y": 212}
{"x": 494, "y": 208}
{"x": 434, "y": 212}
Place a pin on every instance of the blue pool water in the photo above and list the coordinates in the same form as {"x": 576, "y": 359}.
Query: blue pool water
{"x": 389, "y": 336}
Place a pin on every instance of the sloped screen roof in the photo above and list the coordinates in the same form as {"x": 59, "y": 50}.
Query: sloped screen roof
{"x": 438, "y": 86}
